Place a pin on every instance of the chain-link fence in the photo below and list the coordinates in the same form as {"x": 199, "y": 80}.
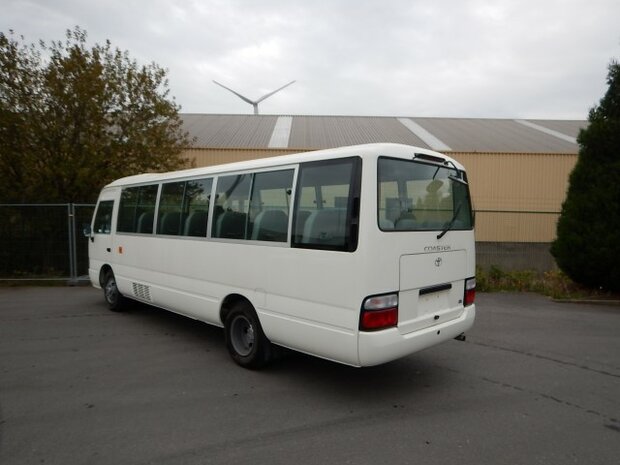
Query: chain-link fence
{"x": 44, "y": 242}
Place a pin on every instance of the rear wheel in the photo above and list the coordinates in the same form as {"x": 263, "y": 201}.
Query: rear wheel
{"x": 115, "y": 300}
{"x": 247, "y": 344}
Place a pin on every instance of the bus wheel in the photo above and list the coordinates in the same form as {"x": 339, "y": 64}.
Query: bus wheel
{"x": 115, "y": 300}
{"x": 247, "y": 344}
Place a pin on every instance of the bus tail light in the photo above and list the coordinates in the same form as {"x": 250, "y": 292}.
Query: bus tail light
{"x": 379, "y": 312}
{"x": 470, "y": 292}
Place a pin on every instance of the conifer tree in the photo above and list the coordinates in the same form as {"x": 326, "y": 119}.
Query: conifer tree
{"x": 587, "y": 247}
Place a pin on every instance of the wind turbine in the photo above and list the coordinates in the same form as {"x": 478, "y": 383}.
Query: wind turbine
{"x": 252, "y": 102}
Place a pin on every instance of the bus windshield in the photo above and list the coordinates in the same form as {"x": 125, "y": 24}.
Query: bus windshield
{"x": 416, "y": 196}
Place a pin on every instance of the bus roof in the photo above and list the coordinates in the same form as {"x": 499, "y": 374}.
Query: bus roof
{"x": 364, "y": 150}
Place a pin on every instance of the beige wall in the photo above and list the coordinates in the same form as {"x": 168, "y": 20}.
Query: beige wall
{"x": 523, "y": 182}
{"x": 517, "y": 196}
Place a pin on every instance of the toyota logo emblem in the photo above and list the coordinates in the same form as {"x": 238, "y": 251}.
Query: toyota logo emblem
{"x": 438, "y": 261}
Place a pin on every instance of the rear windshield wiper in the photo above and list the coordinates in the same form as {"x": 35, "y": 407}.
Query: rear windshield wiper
{"x": 451, "y": 223}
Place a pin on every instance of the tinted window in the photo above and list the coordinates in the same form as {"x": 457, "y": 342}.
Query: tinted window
{"x": 196, "y": 207}
{"x": 103, "y": 217}
{"x": 170, "y": 214}
{"x": 270, "y": 205}
{"x": 415, "y": 196}
{"x": 137, "y": 209}
{"x": 253, "y": 206}
{"x": 327, "y": 205}
{"x": 230, "y": 217}
{"x": 184, "y": 208}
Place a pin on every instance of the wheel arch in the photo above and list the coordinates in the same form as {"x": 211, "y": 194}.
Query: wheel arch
{"x": 230, "y": 301}
{"x": 103, "y": 271}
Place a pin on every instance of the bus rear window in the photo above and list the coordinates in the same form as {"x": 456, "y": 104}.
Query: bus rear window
{"x": 414, "y": 196}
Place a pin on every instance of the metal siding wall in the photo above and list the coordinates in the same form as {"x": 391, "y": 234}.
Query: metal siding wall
{"x": 517, "y": 196}
{"x": 497, "y": 226}
{"x": 517, "y": 181}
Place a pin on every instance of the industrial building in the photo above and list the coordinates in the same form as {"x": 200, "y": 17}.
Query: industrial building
{"x": 518, "y": 169}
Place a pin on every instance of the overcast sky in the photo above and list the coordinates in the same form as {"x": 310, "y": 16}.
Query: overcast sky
{"x": 444, "y": 58}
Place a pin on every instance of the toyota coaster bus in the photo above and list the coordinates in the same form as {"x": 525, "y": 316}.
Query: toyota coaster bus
{"x": 359, "y": 255}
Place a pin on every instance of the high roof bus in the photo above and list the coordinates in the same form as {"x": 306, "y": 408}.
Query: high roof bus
{"x": 358, "y": 255}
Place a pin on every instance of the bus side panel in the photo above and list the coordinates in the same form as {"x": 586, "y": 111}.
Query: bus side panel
{"x": 304, "y": 308}
{"x": 311, "y": 337}
{"x": 171, "y": 274}
{"x": 313, "y": 308}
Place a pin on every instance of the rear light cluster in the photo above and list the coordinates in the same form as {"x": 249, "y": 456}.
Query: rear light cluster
{"x": 379, "y": 312}
{"x": 470, "y": 291}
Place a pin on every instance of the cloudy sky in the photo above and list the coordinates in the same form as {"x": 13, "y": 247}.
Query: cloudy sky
{"x": 445, "y": 58}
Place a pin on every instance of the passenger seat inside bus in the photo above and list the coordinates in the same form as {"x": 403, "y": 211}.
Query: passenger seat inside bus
{"x": 170, "y": 223}
{"x": 196, "y": 224}
{"x": 300, "y": 223}
{"x": 145, "y": 223}
{"x": 270, "y": 225}
{"x": 325, "y": 227}
{"x": 231, "y": 225}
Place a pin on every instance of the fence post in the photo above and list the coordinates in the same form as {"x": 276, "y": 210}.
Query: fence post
{"x": 73, "y": 280}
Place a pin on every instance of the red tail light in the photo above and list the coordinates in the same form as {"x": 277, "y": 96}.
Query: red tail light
{"x": 470, "y": 292}
{"x": 379, "y": 312}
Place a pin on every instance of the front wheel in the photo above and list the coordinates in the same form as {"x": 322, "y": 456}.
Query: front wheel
{"x": 115, "y": 300}
{"x": 247, "y": 344}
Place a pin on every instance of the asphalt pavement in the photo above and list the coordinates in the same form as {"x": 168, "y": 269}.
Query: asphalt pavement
{"x": 536, "y": 382}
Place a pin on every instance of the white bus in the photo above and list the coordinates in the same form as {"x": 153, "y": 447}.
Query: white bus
{"x": 359, "y": 255}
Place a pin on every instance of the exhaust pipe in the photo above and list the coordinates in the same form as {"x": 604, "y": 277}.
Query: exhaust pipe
{"x": 461, "y": 337}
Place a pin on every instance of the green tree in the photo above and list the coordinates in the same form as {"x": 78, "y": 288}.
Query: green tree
{"x": 73, "y": 118}
{"x": 587, "y": 247}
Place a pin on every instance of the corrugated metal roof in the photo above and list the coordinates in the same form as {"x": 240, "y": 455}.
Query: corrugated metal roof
{"x": 493, "y": 135}
{"x": 230, "y": 131}
{"x": 423, "y": 134}
{"x": 546, "y": 130}
{"x": 568, "y": 127}
{"x": 281, "y": 132}
{"x": 323, "y": 132}
{"x": 319, "y": 132}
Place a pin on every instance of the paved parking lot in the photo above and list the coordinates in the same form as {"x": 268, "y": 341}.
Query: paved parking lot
{"x": 536, "y": 383}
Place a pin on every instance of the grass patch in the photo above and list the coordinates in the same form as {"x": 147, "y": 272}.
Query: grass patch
{"x": 554, "y": 284}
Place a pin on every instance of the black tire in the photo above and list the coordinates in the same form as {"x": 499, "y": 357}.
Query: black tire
{"x": 247, "y": 344}
{"x": 115, "y": 300}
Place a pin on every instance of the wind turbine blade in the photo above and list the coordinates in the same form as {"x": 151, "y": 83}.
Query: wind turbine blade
{"x": 245, "y": 99}
{"x": 271, "y": 93}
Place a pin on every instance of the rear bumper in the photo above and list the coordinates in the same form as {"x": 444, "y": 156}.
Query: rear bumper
{"x": 387, "y": 345}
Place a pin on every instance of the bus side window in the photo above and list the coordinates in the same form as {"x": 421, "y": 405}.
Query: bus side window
{"x": 196, "y": 207}
{"x": 326, "y": 205}
{"x": 232, "y": 200}
{"x": 136, "y": 213}
{"x": 169, "y": 215}
{"x": 270, "y": 205}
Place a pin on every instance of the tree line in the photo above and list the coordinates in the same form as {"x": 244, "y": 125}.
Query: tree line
{"x": 74, "y": 117}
